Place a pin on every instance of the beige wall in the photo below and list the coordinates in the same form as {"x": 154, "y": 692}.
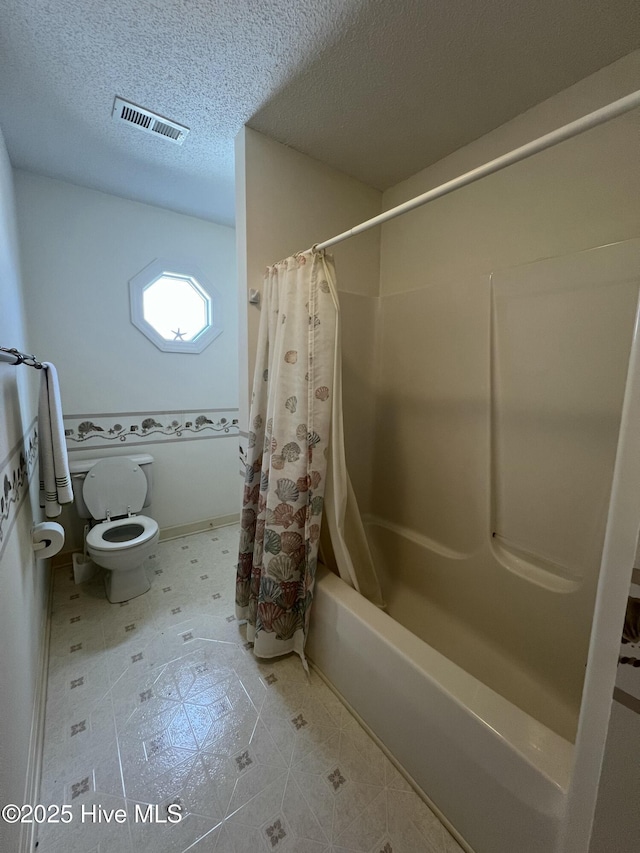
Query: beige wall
{"x": 23, "y": 579}
{"x": 434, "y": 379}
{"x": 433, "y": 439}
{"x": 286, "y": 202}
{"x": 79, "y": 250}
{"x": 581, "y": 193}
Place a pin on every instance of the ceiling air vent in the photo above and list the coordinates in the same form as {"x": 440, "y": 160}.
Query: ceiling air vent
{"x": 148, "y": 121}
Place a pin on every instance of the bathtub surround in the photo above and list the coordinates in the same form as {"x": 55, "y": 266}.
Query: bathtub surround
{"x": 467, "y": 385}
{"x": 80, "y": 248}
{"x": 429, "y": 351}
{"x": 577, "y": 196}
{"x": 563, "y": 404}
{"x": 495, "y": 775}
{"x": 23, "y": 579}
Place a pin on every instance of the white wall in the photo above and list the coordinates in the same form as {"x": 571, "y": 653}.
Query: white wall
{"x": 79, "y": 249}
{"x": 285, "y": 203}
{"x": 23, "y": 580}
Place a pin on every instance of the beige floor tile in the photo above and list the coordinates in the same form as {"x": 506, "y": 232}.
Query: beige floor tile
{"x": 160, "y": 701}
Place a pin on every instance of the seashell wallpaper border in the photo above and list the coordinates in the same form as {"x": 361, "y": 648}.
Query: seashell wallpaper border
{"x": 15, "y": 475}
{"x": 85, "y": 432}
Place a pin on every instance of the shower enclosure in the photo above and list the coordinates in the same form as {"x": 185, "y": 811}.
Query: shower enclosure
{"x": 490, "y": 433}
{"x": 498, "y": 405}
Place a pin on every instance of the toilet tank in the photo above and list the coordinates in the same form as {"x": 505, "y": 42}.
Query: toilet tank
{"x": 81, "y": 467}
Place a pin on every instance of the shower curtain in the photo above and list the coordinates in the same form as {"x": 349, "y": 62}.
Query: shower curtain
{"x": 295, "y": 467}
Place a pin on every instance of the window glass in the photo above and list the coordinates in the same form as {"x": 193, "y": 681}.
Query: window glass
{"x": 176, "y": 308}
{"x": 174, "y": 305}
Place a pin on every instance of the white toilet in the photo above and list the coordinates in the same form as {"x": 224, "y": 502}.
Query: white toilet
{"x": 112, "y": 492}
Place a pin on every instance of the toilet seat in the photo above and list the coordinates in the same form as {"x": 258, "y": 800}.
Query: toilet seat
{"x": 144, "y": 529}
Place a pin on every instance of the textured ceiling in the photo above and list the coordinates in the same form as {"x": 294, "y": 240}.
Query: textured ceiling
{"x": 376, "y": 88}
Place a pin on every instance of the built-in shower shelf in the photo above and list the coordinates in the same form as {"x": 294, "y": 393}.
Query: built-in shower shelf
{"x": 413, "y": 536}
{"x": 534, "y": 568}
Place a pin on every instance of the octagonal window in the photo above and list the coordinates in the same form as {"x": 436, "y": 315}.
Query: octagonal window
{"x": 175, "y": 307}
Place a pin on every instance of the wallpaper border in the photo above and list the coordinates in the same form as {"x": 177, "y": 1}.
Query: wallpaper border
{"x": 112, "y": 429}
{"x": 16, "y": 472}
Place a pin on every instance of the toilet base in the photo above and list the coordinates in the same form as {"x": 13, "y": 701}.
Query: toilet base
{"x": 124, "y": 584}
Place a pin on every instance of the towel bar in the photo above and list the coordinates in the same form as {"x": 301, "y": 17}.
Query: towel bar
{"x": 14, "y": 356}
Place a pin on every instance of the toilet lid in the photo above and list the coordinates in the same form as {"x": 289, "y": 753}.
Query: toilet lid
{"x": 114, "y": 487}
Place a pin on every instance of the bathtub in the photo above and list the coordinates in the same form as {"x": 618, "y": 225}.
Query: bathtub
{"x": 495, "y": 774}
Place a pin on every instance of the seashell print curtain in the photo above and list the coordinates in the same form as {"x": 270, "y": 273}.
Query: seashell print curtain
{"x": 293, "y": 414}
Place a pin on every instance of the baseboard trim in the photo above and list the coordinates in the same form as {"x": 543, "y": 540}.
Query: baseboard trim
{"x": 64, "y": 559}
{"x": 179, "y": 530}
{"x": 36, "y": 740}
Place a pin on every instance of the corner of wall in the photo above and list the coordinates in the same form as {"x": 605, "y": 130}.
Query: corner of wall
{"x": 23, "y": 580}
{"x": 241, "y": 267}
{"x": 286, "y": 202}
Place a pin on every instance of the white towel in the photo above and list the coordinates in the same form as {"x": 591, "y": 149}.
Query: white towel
{"x": 55, "y": 482}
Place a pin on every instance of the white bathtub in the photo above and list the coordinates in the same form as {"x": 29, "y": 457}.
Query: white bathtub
{"x": 498, "y": 776}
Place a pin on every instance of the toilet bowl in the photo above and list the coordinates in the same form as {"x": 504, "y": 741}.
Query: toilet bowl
{"x": 114, "y": 490}
{"x": 122, "y": 546}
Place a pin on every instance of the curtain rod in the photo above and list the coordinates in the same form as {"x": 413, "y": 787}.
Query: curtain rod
{"x": 14, "y": 356}
{"x": 574, "y": 128}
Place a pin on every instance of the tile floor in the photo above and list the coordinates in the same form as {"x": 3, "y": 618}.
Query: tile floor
{"x": 160, "y": 701}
